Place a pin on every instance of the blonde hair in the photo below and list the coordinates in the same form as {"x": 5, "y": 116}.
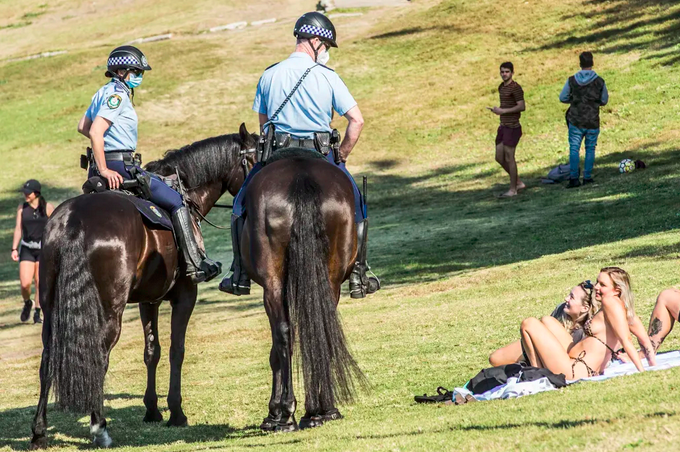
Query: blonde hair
{"x": 593, "y": 306}
{"x": 621, "y": 281}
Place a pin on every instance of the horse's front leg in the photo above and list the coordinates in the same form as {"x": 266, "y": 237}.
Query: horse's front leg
{"x": 183, "y": 302}
{"x": 152, "y": 354}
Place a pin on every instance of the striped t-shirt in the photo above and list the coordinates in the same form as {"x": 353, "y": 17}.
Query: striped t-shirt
{"x": 510, "y": 95}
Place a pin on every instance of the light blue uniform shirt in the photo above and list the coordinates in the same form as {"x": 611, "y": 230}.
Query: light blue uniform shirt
{"x": 311, "y": 107}
{"x": 112, "y": 102}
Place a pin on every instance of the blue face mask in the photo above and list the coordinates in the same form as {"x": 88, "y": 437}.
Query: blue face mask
{"x": 135, "y": 81}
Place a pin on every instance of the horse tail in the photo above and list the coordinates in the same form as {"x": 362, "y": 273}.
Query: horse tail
{"x": 78, "y": 356}
{"x": 327, "y": 365}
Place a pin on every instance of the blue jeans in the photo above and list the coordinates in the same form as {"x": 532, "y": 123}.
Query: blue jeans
{"x": 359, "y": 210}
{"x": 576, "y": 136}
{"x": 161, "y": 194}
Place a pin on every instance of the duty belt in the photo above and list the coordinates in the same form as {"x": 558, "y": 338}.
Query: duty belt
{"x": 120, "y": 156}
{"x": 284, "y": 140}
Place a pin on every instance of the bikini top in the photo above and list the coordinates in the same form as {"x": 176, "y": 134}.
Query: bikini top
{"x": 589, "y": 332}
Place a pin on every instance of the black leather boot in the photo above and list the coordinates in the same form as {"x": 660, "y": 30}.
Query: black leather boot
{"x": 239, "y": 282}
{"x": 359, "y": 283}
{"x": 199, "y": 267}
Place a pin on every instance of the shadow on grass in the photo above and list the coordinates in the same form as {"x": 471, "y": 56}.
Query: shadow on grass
{"x": 125, "y": 427}
{"x": 426, "y": 226}
{"x": 422, "y": 227}
{"x": 651, "y": 26}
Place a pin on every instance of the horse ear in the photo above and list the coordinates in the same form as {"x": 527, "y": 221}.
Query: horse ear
{"x": 243, "y": 133}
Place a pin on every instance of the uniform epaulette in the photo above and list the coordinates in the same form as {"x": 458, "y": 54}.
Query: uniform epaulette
{"x": 271, "y": 66}
{"x": 323, "y": 66}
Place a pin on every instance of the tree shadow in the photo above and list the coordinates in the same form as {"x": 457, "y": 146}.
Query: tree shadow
{"x": 422, "y": 227}
{"x": 614, "y": 26}
{"x": 413, "y": 31}
{"x": 125, "y": 427}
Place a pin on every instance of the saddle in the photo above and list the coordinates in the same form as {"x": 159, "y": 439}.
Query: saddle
{"x": 151, "y": 213}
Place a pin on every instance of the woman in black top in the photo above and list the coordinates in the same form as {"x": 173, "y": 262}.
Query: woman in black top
{"x": 31, "y": 219}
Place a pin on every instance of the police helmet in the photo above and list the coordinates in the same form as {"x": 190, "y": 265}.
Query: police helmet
{"x": 315, "y": 25}
{"x": 126, "y": 57}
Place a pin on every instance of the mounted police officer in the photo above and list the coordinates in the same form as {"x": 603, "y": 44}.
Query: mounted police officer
{"x": 111, "y": 125}
{"x": 313, "y": 91}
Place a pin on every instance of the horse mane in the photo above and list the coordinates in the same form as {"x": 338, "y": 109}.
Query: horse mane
{"x": 202, "y": 162}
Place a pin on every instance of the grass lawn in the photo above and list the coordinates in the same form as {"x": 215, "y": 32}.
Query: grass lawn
{"x": 460, "y": 267}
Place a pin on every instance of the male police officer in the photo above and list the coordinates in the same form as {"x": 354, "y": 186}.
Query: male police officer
{"x": 306, "y": 123}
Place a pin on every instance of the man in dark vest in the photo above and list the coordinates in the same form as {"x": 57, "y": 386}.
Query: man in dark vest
{"x": 586, "y": 92}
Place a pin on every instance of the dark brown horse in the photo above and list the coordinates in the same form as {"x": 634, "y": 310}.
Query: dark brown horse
{"x": 98, "y": 255}
{"x": 299, "y": 244}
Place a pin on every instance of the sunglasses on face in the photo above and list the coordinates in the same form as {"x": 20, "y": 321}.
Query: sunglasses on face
{"x": 137, "y": 71}
{"x": 587, "y": 285}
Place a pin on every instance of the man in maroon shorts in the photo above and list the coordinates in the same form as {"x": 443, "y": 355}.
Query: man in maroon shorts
{"x": 510, "y": 130}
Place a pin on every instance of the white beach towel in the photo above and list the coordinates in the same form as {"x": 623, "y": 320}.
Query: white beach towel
{"x": 514, "y": 388}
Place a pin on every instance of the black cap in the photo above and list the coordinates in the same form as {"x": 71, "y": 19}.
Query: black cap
{"x": 31, "y": 186}
{"x": 586, "y": 59}
{"x": 315, "y": 25}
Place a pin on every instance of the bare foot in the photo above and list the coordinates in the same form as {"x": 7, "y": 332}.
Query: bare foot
{"x": 508, "y": 194}
{"x": 520, "y": 185}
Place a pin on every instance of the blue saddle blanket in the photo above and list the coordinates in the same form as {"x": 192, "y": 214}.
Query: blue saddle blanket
{"x": 151, "y": 212}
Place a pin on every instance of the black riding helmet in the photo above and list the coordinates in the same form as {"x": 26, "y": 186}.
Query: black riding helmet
{"x": 126, "y": 57}
{"x": 315, "y": 25}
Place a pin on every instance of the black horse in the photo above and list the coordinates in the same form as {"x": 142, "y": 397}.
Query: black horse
{"x": 98, "y": 255}
{"x": 299, "y": 244}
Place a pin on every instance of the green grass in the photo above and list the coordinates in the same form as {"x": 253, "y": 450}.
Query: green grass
{"x": 461, "y": 268}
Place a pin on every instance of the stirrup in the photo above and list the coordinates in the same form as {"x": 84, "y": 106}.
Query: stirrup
{"x": 360, "y": 284}
{"x": 228, "y": 286}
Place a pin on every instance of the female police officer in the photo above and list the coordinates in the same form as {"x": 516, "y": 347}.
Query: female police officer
{"x": 111, "y": 125}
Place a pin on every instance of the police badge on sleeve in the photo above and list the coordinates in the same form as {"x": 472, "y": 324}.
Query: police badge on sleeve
{"x": 114, "y": 101}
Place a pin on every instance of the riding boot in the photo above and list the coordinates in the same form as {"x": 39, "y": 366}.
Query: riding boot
{"x": 199, "y": 267}
{"x": 239, "y": 282}
{"x": 359, "y": 283}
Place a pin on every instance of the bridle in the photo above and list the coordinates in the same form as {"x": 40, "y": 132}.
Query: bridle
{"x": 243, "y": 155}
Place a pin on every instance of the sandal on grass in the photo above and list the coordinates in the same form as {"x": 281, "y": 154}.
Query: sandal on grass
{"x": 443, "y": 395}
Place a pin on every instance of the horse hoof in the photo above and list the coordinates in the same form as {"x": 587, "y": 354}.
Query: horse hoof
{"x": 38, "y": 443}
{"x": 332, "y": 415}
{"x": 310, "y": 422}
{"x": 179, "y": 421}
{"x": 286, "y": 427}
{"x": 269, "y": 424}
{"x": 153, "y": 416}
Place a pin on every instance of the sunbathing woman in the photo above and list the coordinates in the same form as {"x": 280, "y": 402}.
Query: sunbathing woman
{"x": 578, "y": 307}
{"x": 664, "y": 315}
{"x": 608, "y": 330}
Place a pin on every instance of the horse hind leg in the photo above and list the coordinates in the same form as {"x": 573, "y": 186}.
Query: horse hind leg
{"x": 288, "y": 404}
{"x": 152, "y": 354}
{"x": 274, "y": 416}
{"x": 328, "y": 411}
{"x": 39, "y": 427}
{"x": 112, "y": 330}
